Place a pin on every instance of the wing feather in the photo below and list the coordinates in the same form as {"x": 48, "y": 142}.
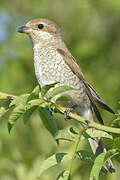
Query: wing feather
{"x": 93, "y": 96}
{"x": 99, "y": 101}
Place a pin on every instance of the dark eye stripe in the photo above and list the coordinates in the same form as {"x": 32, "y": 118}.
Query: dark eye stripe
{"x": 40, "y": 26}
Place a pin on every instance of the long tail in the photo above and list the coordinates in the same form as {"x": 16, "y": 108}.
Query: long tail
{"x": 97, "y": 145}
{"x": 97, "y": 148}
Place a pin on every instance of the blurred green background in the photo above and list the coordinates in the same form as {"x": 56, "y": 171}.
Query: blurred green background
{"x": 91, "y": 30}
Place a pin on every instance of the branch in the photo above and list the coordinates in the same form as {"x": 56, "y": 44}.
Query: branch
{"x": 5, "y": 96}
{"x": 88, "y": 123}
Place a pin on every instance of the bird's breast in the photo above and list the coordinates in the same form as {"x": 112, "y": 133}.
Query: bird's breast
{"x": 50, "y": 67}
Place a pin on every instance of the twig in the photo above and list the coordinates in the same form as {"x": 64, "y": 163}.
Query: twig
{"x": 5, "y": 96}
{"x": 90, "y": 124}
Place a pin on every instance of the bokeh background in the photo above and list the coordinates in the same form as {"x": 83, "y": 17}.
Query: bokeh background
{"x": 91, "y": 30}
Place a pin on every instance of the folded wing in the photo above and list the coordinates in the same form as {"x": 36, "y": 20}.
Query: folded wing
{"x": 93, "y": 96}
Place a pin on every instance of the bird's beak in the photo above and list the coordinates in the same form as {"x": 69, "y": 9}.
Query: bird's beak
{"x": 24, "y": 29}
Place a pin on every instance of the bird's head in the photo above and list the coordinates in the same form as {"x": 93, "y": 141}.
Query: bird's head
{"x": 41, "y": 30}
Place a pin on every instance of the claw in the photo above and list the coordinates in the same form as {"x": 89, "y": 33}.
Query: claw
{"x": 51, "y": 109}
{"x": 67, "y": 112}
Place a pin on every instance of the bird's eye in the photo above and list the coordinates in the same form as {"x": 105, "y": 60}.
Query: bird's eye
{"x": 40, "y": 26}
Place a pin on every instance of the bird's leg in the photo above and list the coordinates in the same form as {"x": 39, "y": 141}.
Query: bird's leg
{"x": 68, "y": 110}
{"x": 51, "y": 109}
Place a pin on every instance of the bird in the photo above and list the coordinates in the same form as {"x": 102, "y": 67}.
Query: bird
{"x": 53, "y": 62}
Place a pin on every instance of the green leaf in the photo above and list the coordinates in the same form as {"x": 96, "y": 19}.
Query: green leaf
{"x": 64, "y": 135}
{"x": 46, "y": 88}
{"x": 20, "y": 99}
{"x": 74, "y": 130}
{"x": 48, "y": 120}
{"x": 100, "y": 161}
{"x": 97, "y": 133}
{"x": 62, "y": 98}
{"x": 28, "y": 113}
{"x": 116, "y": 122}
{"x": 34, "y": 94}
{"x": 36, "y": 90}
{"x": 64, "y": 175}
{"x": 59, "y": 90}
{"x": 117, "y": 143}
{"x": 85, "y": 156}
{"x": 53, "y": 160}
{"x": 16, "y": 113}
{"x": 3, "y": 111}
{"x": 35, "y": 102}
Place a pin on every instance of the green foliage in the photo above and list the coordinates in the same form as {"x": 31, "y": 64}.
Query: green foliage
{"x": 64, "y": 175}
{"x": 28, "y": 113}
{"x": 85, "y": 156}
{"x": 24, "y": 105}
{"x": 2, "y": 111}
{"x": 100, "y": 161}
{"x": 117, "y": 142}
{"x": 96, "y": 133}
{"x": 54, "y": 160}
{"x": 59, "y": 90}
{"x": 15, "y": 115}
{"x": 48, "y": 120}
{"x": 64, "y": 135}
{"x": 46, "y": 88}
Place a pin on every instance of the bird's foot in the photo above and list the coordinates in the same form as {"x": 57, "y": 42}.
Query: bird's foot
{"x": 51, "y": 109}
{"x": 67, "y": 112}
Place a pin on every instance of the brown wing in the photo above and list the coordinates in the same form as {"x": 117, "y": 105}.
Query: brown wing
{"x": 94, "y": 98}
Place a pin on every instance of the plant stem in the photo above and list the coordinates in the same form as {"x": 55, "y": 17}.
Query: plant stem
{"x": 5, "y": 96}
{"x": 76, "y": 147}
{"x": 89, "y": 124}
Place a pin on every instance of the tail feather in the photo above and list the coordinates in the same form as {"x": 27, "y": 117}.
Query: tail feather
{"x": 97, "y": 148}
{"x": 97, "y": 145}
{"x": 101, "y": 104}
{"x": 99, "y": 101}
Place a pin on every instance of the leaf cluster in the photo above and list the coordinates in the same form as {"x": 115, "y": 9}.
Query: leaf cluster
{"x": 41, "y": 100}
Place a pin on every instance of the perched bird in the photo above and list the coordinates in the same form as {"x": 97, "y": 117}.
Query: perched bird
{"x": 53, "y": 62}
